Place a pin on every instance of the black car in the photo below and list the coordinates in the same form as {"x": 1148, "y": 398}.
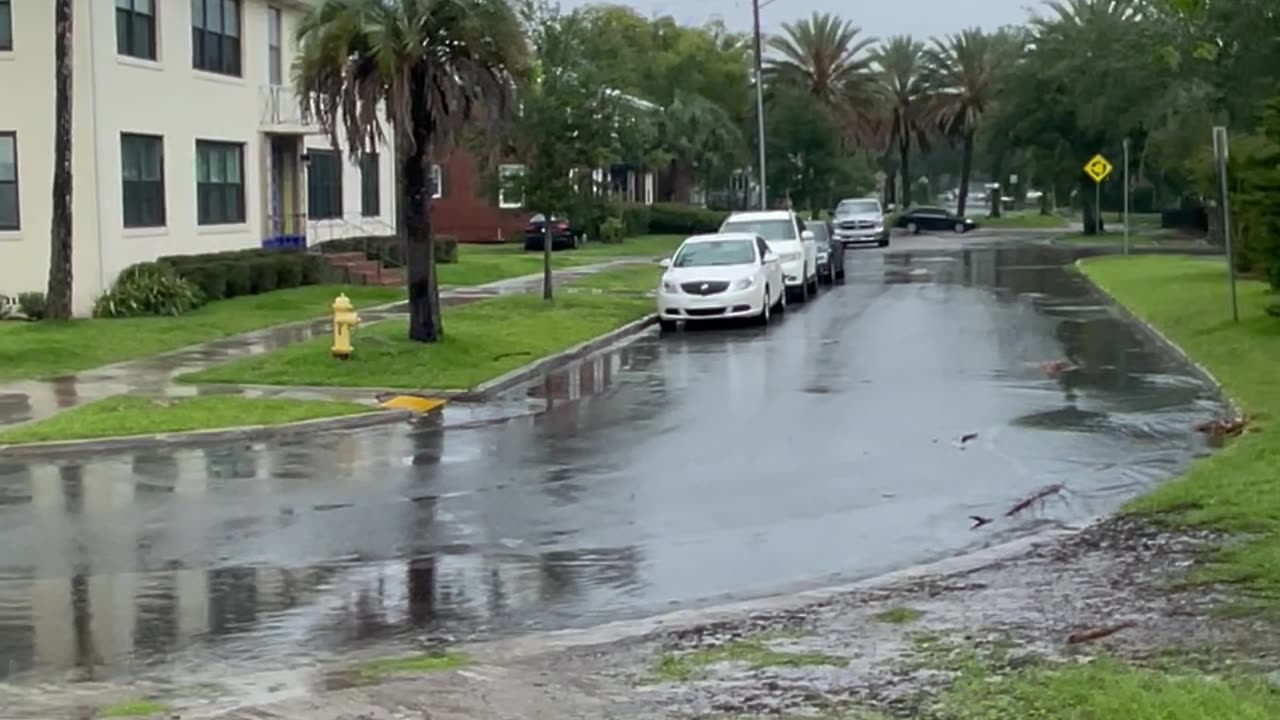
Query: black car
{"x": 563, "y": 235}
{"x": 934, "y": 218}
{"x": 830, "y": 251}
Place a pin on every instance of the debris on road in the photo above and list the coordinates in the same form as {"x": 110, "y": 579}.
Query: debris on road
{"x": 1223, "y": 427}
{"x": 979, "y": 521}
{"x": 966, "y": 439}
{"x": 1035, "y": 497}
{"x": 1098, "y": 633}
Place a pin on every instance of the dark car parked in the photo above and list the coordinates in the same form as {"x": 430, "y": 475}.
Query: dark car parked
{"x": 563, "y": 235}
{"x": 830, "y": 251}
{"x": 934, "y": 218}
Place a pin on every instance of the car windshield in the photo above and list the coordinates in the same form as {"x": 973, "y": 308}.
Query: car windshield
{"x": 716, "y": 252}
{"x": 768, "y": 229}
{"x": 857, "y": 207}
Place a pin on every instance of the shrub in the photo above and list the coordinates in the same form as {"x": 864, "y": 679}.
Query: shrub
{"x": 677, "y": 219}
{"x": 239, "y": 279}
{"x": 148, "y": 289}
{"x": 234, "y": 273}
{"x": 289, "y": 273}
{"x": 312, "y": 269}
{"x": 446, "y": 249}
{"x": 264, "y": 275}
{"x": 210, "y": 279}
{"x": 613, "y": 231}
{"x": 32, "y": 304}
{"x": 635, "y": 219}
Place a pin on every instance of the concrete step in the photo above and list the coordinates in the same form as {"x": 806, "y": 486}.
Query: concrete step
{"x": 345, "y": 258}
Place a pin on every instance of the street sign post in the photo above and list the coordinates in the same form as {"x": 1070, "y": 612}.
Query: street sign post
{"x": 1126, "y": 196}
{"x": 1098, "y": 168}
{"x": 1220, "y": 156}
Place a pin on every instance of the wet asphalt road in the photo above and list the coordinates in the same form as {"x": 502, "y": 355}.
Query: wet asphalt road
{"x": 674, "y": 471}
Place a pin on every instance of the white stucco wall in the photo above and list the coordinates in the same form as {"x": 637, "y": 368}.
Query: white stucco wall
{"x": 117, "y": 94}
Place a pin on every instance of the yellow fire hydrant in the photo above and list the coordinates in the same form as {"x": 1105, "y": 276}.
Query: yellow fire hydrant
{"x": 344, "y": 319}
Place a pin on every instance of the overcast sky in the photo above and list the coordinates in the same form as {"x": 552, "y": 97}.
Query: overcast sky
{"x": 878, "y": 18}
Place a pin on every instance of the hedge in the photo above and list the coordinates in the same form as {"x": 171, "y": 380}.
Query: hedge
{"x": 389, "y": 248}
{"x": 234, "y": 273}
{"x": 677, "y": 219}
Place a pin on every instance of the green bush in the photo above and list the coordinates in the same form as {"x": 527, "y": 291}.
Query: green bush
{"x": 233, "y": 273}
{"x": 239, "y": 278}
{"x": 446, "y": 249}
{"x": 677, "y": 219}
{"x": 289, "y": 274}
{"x": 148, "y": 289}
{"x": 210, "y": 279}
{"x": 264, "y": 275}
{"x": 33, "y": 305}
{"x": 635, "y": 219}
{"x": 613, "y": 231}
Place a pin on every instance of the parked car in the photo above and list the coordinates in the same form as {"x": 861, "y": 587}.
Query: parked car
{"x": 726, "y": 275}
{"x": 830, "y": 251}
{"x": 563, "y": 235}
{"x": 860, "y": 220}
{"x": 785, "y": 233}
{"x": 934, "y": 218}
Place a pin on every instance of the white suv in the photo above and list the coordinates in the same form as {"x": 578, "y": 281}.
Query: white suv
{"x": 795, "y": 247}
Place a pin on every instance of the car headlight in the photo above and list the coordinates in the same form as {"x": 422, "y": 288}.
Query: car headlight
{"x": 791, "y": 256}
{"x": 744, "y": 283}
{"x": 670, "y": 286}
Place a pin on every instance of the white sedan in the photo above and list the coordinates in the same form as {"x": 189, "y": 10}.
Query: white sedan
{"x": 728, "y": 275}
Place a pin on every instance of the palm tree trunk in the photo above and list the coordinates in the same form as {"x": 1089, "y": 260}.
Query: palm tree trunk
{"x": 420, "y": 260}
{"x": 966, "y": 172}
{"x": 60, "y": 276}
{"x": 904, "y": 165}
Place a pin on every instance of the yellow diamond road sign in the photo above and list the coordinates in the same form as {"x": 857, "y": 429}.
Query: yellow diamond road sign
{"x": 1097, "y": 168}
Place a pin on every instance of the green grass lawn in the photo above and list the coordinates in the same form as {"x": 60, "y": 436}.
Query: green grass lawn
{"x": 133, "y": 708}
{"x": 481, "y": 341}
{"x": 49, "y": 349}
{"x": 125, "y": 415}
{"x": 481, "y": 264}
{"x": 630, "y": 279}
{"x": 1107, "y": 690}
{"x": 1235, "y": 489}
{"x": 1111, "y": 237}
{"x": 1032, "y": 220}
{"x": 649, "y": 246}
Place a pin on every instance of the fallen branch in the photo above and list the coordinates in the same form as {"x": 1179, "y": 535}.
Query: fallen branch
{"x": 1033, "y": 498}
{"x": 1097, "y": 633}
{"x": 979, "y": 521}
{"x": 1223, "y": 427}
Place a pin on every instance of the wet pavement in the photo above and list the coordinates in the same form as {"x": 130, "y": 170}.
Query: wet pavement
{"x": 27, "y": 401}
{"x": 674, "y": 471}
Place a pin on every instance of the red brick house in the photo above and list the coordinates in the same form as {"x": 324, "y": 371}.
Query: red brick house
{"x": 464, "y": 207}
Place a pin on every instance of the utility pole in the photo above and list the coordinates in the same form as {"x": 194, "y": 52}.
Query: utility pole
{"x": 759, "y": 63}
{"x": 1221, "y": 154}
{"x": 1126, "y": 196}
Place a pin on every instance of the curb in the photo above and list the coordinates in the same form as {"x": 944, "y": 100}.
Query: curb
{"x": 1158, "y": 337}
{"x": 255, "y": 433}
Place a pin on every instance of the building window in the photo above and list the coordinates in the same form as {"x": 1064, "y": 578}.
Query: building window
{"x": 370, "y": 191}
{"x": 275, "y": 37}
{"x": 142, "y": 180}
{"x": 136, "y": 28}
{"x": 437, "y": 182}
{"x": 215, "y": 36}
{"x": 509, "y": 197}
{"x": 324, "y": 184}
{"x": 219, "y": 183}
{"x": 6, "y": 26}
{"x": 8, "y": 181}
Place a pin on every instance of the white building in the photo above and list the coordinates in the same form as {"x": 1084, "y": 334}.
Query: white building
{"x": 187, "y": 139}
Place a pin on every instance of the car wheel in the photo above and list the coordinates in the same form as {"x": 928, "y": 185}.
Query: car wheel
{"x": 884, "y": 241}
{"x": 813, "y": 283}
{"x": 782, "y": 299}
{"x": 667, "y": 325}
{"x": 913, "y": 228}
{"x": 960, "y": 228}
{"x": 804, "y": 290}
{"x": 831, "y": 275}
{"x": 765, "y": 309}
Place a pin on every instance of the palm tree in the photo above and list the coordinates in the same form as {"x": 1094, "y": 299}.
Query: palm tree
{"x": 901, "y": 61}
{"x": 701, "y": 139}
{"x": 431, "y": 68}
{"x": 60, "y": 277}
{"x": 963, "y": 72}
{"x": 824, "y": 56}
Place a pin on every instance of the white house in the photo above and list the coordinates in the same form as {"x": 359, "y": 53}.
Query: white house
{"x": 187, "y": 139}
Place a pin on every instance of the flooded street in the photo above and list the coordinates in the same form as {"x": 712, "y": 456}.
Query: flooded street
{"x": 672, "y": 472}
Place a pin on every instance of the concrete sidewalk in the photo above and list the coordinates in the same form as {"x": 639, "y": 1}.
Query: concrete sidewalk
{"x": 27, "y": 401}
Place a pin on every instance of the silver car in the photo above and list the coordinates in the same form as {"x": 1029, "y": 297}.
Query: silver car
{"x": 860, "y": 220}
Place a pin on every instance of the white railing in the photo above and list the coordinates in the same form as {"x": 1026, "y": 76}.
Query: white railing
{"x": 280, "y": 106}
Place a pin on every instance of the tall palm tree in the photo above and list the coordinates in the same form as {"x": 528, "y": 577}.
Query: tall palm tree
{"x": 431, "y": 68}
{"x": 963, "y": 75}
{"x": 824, "y": 56}
{"x": 60, "y": 276}
{"x": 701, "y": 138}
{"x": 902, "y": 66}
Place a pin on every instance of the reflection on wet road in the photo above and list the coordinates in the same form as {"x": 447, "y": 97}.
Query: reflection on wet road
{"x": 673, "y": 471}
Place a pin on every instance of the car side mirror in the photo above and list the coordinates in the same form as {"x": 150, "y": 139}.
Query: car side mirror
{"x": 665, "y": 262}
{"x": 770, "y": 257}
{"x": 808, "y": 236}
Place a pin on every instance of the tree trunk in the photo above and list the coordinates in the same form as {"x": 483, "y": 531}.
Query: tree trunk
{"x": 966, "y": 171}
{"x": 1088, "y": 205}
{"x": 546, "y": 258}
{"x": 904, "y": 168}
{"x": 58, "y": 296}
{"x": 415, "y": 212}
